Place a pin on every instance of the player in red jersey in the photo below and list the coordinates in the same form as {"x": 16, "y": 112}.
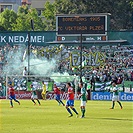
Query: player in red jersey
{"x": 57, "y": 95}
{"x": 70, "y": 101}
{"x": 12, "y": 95}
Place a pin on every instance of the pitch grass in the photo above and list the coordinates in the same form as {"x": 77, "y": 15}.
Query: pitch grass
{"x": 52, "y": 118}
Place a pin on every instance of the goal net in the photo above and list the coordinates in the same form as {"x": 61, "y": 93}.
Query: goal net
{"x": 22, "y": 84}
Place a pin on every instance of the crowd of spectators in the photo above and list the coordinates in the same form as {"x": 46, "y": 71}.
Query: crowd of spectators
{"x": 118, "y": 64}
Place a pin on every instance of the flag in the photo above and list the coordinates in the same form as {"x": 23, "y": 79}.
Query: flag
{"x": 99, "y": 86}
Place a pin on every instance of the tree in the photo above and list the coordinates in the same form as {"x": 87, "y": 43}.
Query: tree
{"x": 59, "y": 6}
{"x": 121, "y": 11}
{"x": 23, "y": 9}
{"x": 49, "y": 16}
{"x": 7, "y": 18}
{"x": 121, "y": 14}
{"x": 70, "y": 6}
{"x": 37, "y": 21}
{"x": 2, "y": 28}
{"x": 23, "y": 22}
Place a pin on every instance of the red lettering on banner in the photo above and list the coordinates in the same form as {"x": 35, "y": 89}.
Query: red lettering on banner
{"x": 23, "y": 94}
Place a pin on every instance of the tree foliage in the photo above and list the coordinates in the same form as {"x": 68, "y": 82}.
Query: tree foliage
{"x": 7, "y": 18}
{"x": 70, "y": 7}
{"x": 23, "y": 22}
{"x": 49, "y": 16}
{"x": 121, "y": 10}
{"x": 121, "y": 14}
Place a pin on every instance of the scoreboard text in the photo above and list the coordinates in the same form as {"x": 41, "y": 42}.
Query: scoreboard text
{"x": 89, "y": 25}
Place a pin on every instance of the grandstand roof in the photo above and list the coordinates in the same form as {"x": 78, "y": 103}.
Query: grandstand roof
{"x": 91, "y": 42}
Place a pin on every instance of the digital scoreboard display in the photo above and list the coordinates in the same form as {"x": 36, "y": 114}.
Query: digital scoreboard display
{"x": 87, "y": 25}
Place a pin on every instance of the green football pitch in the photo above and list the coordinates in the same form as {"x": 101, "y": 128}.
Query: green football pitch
{"x": 52, "y": 118}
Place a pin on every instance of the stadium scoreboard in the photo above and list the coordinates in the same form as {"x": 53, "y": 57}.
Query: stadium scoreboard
{"x": 94, "y": 25}
{"x": 87, "y": 25}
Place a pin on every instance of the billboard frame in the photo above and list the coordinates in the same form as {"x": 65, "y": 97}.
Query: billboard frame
{"x": 84, "y": 15}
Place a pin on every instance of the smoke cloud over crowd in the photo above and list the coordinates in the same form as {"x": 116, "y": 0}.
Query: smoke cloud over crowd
{"x": 18, "y": 59}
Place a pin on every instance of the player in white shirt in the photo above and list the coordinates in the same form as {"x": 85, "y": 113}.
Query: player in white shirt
{"x": 115, "y": 96}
